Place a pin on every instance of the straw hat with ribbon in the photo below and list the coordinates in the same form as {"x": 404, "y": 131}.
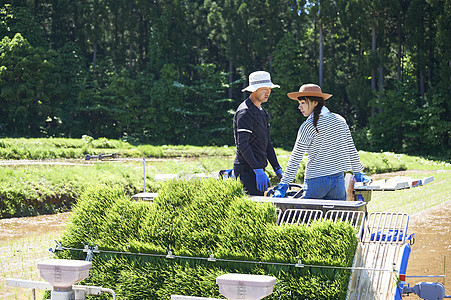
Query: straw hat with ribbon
{"x": 259, "y": 79}
{"x": 307, "y": 90}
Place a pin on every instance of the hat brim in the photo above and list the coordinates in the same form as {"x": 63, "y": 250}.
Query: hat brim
{"x": 296, "y": 95}
{"x": 253, "y": 88}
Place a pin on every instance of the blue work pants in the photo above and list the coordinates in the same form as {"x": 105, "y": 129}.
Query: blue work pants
{"x": 331, "y": 187}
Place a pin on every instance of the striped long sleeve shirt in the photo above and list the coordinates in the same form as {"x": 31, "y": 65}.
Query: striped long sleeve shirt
{"x": 330, "y": 150}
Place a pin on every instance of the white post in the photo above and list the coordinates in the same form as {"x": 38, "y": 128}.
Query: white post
{"x": 144, "y": 171}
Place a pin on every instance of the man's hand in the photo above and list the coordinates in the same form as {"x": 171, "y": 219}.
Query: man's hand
{"x": 279, "y": 173}
{"x": 360, "y": 177}
{"x": 281, "y": 190}
{"x": 262, "y": 179}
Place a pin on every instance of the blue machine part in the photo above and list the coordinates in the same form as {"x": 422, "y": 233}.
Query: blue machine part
{"x": 229, "y": 173}
{"x": 427, "y": 290}
{"x": 402, "y": 263}
{"x": 390, "y": 235}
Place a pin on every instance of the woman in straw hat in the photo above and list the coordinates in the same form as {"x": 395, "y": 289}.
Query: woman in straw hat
{"x": 326, "y": 138}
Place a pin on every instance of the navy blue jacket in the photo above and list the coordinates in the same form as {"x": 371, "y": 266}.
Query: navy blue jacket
{"x": 251, "y": 131}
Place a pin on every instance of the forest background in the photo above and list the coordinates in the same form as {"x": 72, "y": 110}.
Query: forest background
{"x": 171, "y": 71}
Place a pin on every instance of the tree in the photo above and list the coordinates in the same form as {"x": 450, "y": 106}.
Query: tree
{"x": 20, "y": 20}
{"x": 26, "y": 77}
{"x": 291, "y": 70}
{"x": 150, "y": 70}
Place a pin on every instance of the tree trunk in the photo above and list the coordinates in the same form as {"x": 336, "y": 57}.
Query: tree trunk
{"x": 130, "y": 48}
{"x": 320, "y": 54}
{"x": 381, "y": 73}
{"x": 94, "y": 56}
{"x": 130, "y": 58}
{"x": 230, "y": 78}
{"x": 381, "y": 83}
{"x": 399, "y": 53}
{"x": 270, "y": 62}
{"x": 373, "y": 70}
{"x": 449, "y": 63}
{"x": 422, "y": 85}
{"x": 381, "y": 78}
{"x": 270, "y": 54}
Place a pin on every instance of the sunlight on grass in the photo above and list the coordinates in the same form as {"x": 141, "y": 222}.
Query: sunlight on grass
{"x": 416, "y": 199}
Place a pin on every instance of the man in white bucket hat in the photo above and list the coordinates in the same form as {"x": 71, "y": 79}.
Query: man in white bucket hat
{"x": 251, "y": 130}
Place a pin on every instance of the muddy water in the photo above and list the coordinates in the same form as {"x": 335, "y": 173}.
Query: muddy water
{"x": 24, "y": 242}
{"x": 18, "y": 228}
{"x": 431, "y": 252}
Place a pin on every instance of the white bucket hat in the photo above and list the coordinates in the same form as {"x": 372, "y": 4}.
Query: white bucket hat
{"x": 259, "y": 79}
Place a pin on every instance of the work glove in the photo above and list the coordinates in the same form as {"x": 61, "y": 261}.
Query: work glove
{"x": 281, "y": 190}
{"x": 262, "y": 179}
{"x": 360, "y": 177}
{"x": 279, "y": 173}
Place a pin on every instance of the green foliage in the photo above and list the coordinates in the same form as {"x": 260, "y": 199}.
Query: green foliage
{"x": 197, "y": 218}
{"x": 292, "y": 71}
{"x": 21, "y": 20}
{"x": 204, "y": 109}
{"x": 434, "y": 126}
{"x": 172, "y": 72}
{"x": 395, "y": 126}
{"x": 408, "y": 124}
{"x": 30, "y": 188}
{"x": 64, "y": 117}
{"x": 26, "y": 84}
{"x": 54, "y": 148}
{"x": 42, "y": 189}
{"x": 376, "y": 163}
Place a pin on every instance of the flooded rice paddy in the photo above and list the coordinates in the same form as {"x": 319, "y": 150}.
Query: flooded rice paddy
{"x": 431, "y": 252}
{"x": 25, "y": 241}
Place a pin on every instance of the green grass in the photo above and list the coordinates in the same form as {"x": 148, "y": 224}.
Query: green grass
{"x": 35, "y": 189}
{"x": 65, "y": 148}
{"x": 420, "y": 163}
{"x": 416, "y": 199}
{"x": 377, "y": 163}
{"x": 31, "y": 189}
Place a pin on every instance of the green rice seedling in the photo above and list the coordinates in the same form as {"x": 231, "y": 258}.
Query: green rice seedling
{"x": 196, "y": 219}
{"x": 36, "y": 189}
{"x": 151, "y": 151}
{"x": 47, "y": 188}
